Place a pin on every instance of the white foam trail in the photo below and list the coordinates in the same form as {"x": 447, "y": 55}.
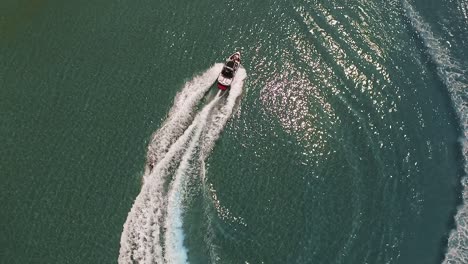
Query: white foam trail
{"x": 174, "y": 236}
{"x": 175, "y": 252}
{"x": 213, "y": 131}
{"x": 455, "y": 78}
{"x": 181, "y": 113}
{"x": 140, "y": 240}
{"x": 220, "y": 118}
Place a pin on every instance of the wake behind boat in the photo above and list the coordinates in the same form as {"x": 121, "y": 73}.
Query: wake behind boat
{"x": 226, "y": 76}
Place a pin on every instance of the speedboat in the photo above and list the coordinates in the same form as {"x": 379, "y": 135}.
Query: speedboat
{"x": 229, "y": 71}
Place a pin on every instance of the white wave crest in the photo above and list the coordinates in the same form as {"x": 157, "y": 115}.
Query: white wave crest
{"x": 153, "y": 230}
{"x": 181, "y": 113}
{"x": 174, "y": 236}
{"x": 454, "y": 77}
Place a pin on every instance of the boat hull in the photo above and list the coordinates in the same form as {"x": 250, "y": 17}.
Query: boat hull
{"x": 228, "y": 72}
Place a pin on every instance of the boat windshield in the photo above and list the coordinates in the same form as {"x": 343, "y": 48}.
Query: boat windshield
{"x": 227, "y": 72}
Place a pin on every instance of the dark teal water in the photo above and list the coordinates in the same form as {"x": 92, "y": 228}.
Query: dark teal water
{"x": 348, "y": 144}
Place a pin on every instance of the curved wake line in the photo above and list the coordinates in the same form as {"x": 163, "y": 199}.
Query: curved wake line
{"x": 181, "y": 113}
{"x": 174, "y": 236}
{"x": 141, "y": 234}
{"x": 454, "y": 77}
{"x": 220, "y": 118}
{"x": 153, "y": 231}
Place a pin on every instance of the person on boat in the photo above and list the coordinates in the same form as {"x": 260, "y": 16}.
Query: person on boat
{"x": 235, "y": 57}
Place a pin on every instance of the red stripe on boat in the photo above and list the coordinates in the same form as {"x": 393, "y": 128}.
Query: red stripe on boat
{"x": 222, "y": 87}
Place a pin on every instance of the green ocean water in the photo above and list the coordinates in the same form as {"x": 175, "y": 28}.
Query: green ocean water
{"x": 348, "y": 144}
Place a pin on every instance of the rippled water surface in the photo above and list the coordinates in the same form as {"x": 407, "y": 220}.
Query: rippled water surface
{"x": 345, "y": 143}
